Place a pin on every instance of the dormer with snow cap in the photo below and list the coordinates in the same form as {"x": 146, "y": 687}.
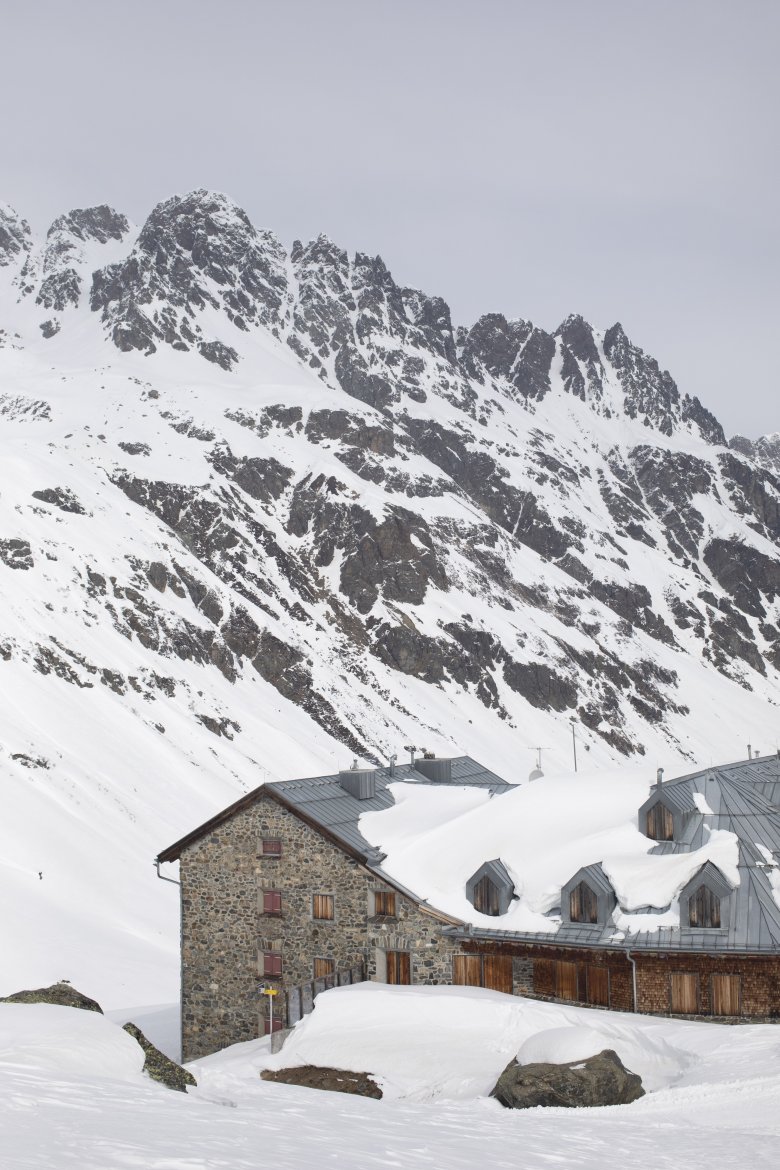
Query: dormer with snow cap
{"x": 588, "y": 898}
{"x": 665, "y": 814}
{"x": 705, "y": 901}
{"x": 490, "y": 890}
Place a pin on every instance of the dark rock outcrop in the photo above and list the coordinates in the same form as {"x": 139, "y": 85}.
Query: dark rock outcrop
{"x": 160, "y": 1067}
{"x": 599, "y": 1080}
{"x": 332, "y": 1080}
{"x": 61, "y": 994}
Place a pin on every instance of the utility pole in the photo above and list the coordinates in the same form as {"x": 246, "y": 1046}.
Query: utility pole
{"x": 574, "y": 743}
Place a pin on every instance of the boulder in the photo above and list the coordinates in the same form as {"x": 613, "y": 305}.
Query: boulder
{"x": 159, "y": 1066}
{"x": 332, "y": 1080}
{"x": 61, "y": 994}
{"x": 599, "y": 1080}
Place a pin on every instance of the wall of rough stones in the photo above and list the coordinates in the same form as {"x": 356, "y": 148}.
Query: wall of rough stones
{"x": 226, "y": 933}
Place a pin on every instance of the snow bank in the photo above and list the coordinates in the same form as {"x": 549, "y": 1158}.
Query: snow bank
{"x": 452, "y": 1043}
{"x": 63, "y": 1041}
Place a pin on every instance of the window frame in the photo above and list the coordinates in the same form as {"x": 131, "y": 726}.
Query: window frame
{"x": 272, "y": 903}
{"x": 273, "y": 966}
{"x": 266, "y": 852}
{"x": 326, "y": 898}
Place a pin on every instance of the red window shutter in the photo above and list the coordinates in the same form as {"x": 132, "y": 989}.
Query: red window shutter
{"x": 272, "y": 902}
{"x": 272, "y": 847}
{"x": 272, "y": 964}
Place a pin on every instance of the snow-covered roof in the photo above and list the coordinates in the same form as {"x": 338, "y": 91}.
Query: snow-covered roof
{"x": 429, "y": 839}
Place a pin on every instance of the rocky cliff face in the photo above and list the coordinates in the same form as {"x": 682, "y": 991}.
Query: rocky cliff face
{"x": 340, "y": 489}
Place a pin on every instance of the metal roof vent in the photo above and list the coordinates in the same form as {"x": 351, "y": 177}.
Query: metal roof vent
{"x": 440, "y": 771}
{"x": 358, "y": 782}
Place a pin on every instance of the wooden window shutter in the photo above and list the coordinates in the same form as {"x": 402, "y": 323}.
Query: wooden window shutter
{"x": 467, "y": 970}
{"x": 323, "y": 967}
{"x": 597, "y": 985}
{"x": 272, "y": 847}
{"x": 497, "y": 973}
{"x": 272, "y": 902}
{"x": 566, "y": 980}
{"x": 323, "y": 906}
{"x": 583, "y": 904}
{"x": 399, "y": 967}
{"x": 725, "y": 992}
{"x": 704, "y": 908}
{"x": 684, "y": 993}
{"x": 486, "y": 897}
{"x": 272, "y": 964}
{"x": 384, "y": 903}
{"x": 660, "y": 823}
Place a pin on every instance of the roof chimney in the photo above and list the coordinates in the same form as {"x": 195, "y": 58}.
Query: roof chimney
{"x": 358, "y": 782}
{"x": 440, "y": 771}
{"x": 659, "y": 777}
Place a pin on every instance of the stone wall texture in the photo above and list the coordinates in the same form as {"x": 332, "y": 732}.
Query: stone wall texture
{"x": 226, "y": 933}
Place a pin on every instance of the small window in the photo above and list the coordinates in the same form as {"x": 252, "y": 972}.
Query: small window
{"x": 272, "y": 964}
{"x": 384, "y": 903}
{"x": 272, "y": 902}
{"x": 323, "y": 907}
{"x": 583, "y": 904}
{"x": 486, "y": 897}
{"x": 324, "y": 967}
{"x": 271, "y": 847}
{"x": 660, "y": 823}
{"x": 684, "y": 993}
{"x": 725, "y": 993}
{"x": 704, "y": 908}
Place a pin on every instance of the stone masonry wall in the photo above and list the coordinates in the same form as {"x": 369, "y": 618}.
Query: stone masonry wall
{"x": 225, "y": 931}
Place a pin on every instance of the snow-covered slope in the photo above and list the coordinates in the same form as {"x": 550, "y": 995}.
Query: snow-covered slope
{"x": 261, "y": 512}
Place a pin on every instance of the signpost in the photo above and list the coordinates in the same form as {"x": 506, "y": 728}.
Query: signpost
{"x": 270, "y": 992}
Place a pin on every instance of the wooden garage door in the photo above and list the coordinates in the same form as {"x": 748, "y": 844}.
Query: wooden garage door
{"x": 497, "y": 973}
{"x": 467, "y": 970}
{"x": 725, "y": 995}
{"x": 597, "y": 985}
{"x": 399, "y": 967}
{"x": 566, "y": 980}
{"x": 684, "y": 993}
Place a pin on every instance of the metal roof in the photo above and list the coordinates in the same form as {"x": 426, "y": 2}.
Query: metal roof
{"x": 742, "y": 798}
{"x": 324, "y": 803}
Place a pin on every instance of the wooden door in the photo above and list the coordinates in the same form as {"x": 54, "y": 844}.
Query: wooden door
{"x": 566, "y": 980}
{"x": 725, "y": 991}
{"x": 467, "y": 970}
{"x": 497, "y": 973}
{"x": 684, "y": 993}
{"x": 399, "y": 967}
{"x": 597, "y": 985}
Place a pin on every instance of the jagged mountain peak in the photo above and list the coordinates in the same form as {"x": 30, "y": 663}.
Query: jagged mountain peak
{"x": 101, "y": 223}
{"x": 15, "y": 235}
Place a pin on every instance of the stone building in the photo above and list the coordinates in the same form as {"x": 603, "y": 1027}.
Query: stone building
{"x": 282, "y": 892}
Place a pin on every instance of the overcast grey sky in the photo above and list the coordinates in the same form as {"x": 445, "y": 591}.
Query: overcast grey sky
{"x": 617, "y": 158}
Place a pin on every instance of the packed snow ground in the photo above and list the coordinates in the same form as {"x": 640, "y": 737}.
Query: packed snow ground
{"x": 72, "y": 1093}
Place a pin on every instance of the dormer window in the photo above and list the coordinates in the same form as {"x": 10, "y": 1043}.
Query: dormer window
{"x": 490, "y": 890}
{"x": 704, "y": 908}
{"x": 588, "y": 897}
{"x": 706, "y": 901}
{"x": 583, "y": 904}
{"x": 660, "y": 823}
{"x": 486, "y": 897}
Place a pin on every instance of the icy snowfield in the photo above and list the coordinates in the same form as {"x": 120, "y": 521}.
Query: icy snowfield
{"x": 72, "y": 1095}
